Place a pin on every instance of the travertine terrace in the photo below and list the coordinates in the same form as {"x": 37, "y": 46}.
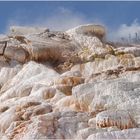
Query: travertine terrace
{"x": 68, "y": 85}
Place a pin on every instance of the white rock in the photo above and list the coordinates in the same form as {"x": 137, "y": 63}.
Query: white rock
{"x": 31, "y": 74}
{"x": 124, "y": 134}
{"x": 41, "y": 98}
{"x": 118, "y": 118}
{"x": 103, "y": 95}
{"x": 20, "y": 30}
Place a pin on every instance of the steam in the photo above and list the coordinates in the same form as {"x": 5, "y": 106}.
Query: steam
{"x": 124, "y": 31}
{"x": 59, "y": 19}
{"x": 62, "y": 19}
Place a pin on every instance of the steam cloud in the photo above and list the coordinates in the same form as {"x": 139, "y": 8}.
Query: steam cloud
{"x": 64, "y": 19}
{"x": 126, "y": 31}
{"x": 59, "y": 19}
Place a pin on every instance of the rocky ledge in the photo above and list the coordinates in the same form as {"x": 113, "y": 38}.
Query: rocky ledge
{"x": 68, "y": 85}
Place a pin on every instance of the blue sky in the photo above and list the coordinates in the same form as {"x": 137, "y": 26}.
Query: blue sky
{"x": 64, "y": 15}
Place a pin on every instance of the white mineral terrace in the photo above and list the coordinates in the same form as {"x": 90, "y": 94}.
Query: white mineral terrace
{"x": 68, "y": 85}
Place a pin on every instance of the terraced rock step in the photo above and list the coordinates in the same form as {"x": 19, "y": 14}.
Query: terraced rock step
{"x": 68, "y": 85}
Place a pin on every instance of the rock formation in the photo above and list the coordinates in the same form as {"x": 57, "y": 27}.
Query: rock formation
{"x": 68, "y": 85}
